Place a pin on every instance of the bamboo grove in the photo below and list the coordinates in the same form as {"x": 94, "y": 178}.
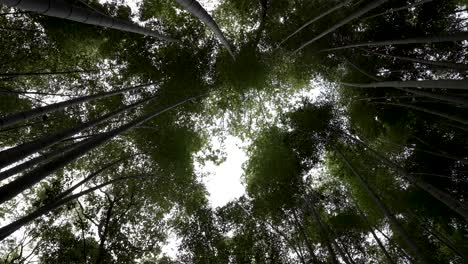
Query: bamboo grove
{"x": 107, "y": 112}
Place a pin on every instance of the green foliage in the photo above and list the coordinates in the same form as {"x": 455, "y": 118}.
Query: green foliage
{"x": 273, "y": 172}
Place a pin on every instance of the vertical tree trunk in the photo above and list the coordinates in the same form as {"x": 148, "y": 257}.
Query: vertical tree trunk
{"x": 325, "y": 236}
{"x": 376, "y": 238}
{"x": 14, "y": 118}
{"x": 338, "y": 6}
{"x": 61, "y": 9}
{"x": 31, "y": 178}
{"x": 103, "y": 234}
{"x": 345, "y": 21}
{"x": 194, "y": 8}
{"x": 306, "y": 239}
{"x": 383, "y": 208}
{"x": 15, "y": 154}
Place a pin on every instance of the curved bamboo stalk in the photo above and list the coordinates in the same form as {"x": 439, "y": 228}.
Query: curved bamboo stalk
{"x": 448, "y": 98}
{"x": 373, "y": 77}
{"x": 392, "y": 10}
{"x": 37, "y": 160}
{"x": 14, "y": 118}
{"x": 383, "y": 208}
{"x": 323, "y": 230}
{"x": 12, "y": 155}
{"x": 433, "y": 84}
{"x": 17, "y": 74}
{"x": 29, "y": 179}
{"x": 422, "y": 109}
{"x": 194, "y": 8}
{"x": 314, "y": 19}
{"x": 7, "y": 230}
{"x": 452, "y": 65}
{"x": 374, "y": 235}
{"x": 438, "y": 175}
{"x": 448, "y": 200}
{"x": 343, "y": 22}
{"x": 421, "y": 40}
{"x": 61, "y": 9}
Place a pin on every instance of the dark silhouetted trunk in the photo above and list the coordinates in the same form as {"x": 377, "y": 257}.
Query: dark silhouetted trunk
{"x": 406, "y": 7}
{"x": 425, "y": 110}
{"x": 383, "y": 208}
{"x": 61, "y": 9}
{"x": 7, "y": 230}
{"x": 443, "y": 197}
{"x": 451, "y": 65}
{"x": 343, "y": 22}
{"x": 434, "y": 39}
{"x": 14, "y": 118}
{"x": 37, "y": 160}
{"x": 338, "y": 6}
{"x": 432, "y": 84}
{"x": 31, "y": 178}
{"x": 194, "y": 8}
{"x": 447, "y": 98}
{"x": 17, "y": 153}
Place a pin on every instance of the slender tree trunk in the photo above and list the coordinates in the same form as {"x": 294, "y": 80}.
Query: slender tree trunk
{"x": 17, "y": 74}
{"x": 61, "y": 9}
{"x": 306, "y": 239}
{"x": 392, "y": 10}
{"x": 107, "y": 166}
{"x": 439, "y": 175}
{"x": 194, "y": 8}
{"x": 433, "y": 39}
{"x": 451, "y": 65}
{"x": 31, "y": 178}
{"x": 443, "y": 197}
{"x": 345, "y": 21}
{"x": 433, "y": 84}
{"x": 397, "y": 246}
{"x": 37, "y": 160}
{"x": 373, "y": 77}
{"x": 342, "y": 253}
{"x": 383, "y": 208}
{"x": 376, "y": 238}
{"x": 386, "y": 97}
{"x": 103, "y": 234}
{"x": 381, "y": 246}
{"x": 348, "y": 255}
{"x": 14, "y": 118}
{"x": 7, "y": 230}
{"x": 324, "y": 232}
{"x": 442, "y": 155}
{"x": 422, "y": 109}
{"x": 447, "y": 98}
{"x": 314, "y": 19}
{"x": 9, "y": 91}
{"x": 17, "y": 153}
{"x": 447, "y": 242}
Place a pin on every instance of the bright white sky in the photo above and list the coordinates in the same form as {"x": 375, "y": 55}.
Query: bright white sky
{"x": 223, "y": 182}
